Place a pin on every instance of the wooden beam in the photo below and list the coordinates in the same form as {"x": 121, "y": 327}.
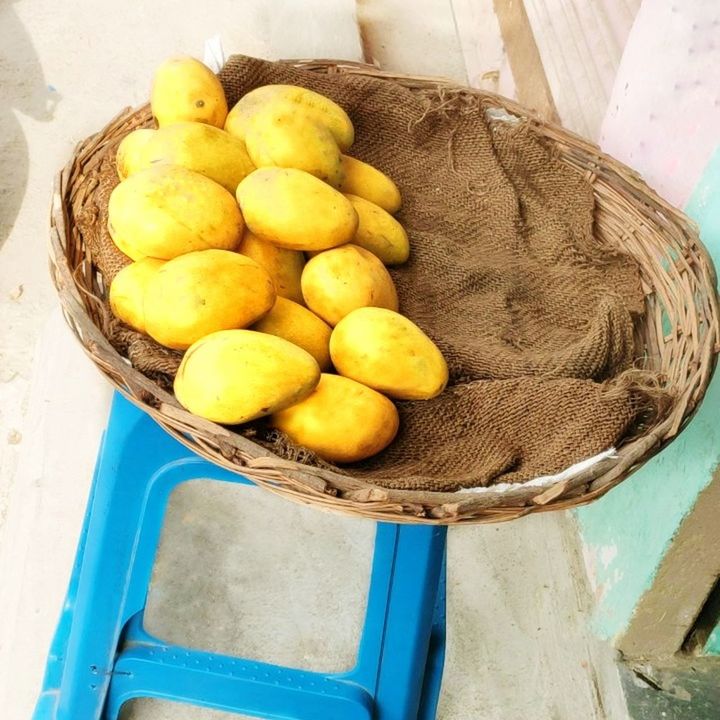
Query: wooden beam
{"x": 581, "y": 43}
{"x": 313, "y": 29}
{"x": 482, "y": 46}
{"x": 419, "y": 38}
{"x": 666, "y": 613}
{"x": 531, "y": 84}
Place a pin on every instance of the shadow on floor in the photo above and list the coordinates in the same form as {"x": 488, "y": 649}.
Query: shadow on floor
{"x": 23, "y": 90}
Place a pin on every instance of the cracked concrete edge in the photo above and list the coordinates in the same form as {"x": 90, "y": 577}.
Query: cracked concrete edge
{"x": 675, "y": 689}
{"x": 665, "y": 614}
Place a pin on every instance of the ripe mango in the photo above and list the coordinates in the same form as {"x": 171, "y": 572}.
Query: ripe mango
{"x": 299, "y": 326}
{"x": 280, "y": 138}
{"x": 201, "y": 292}
{"x": 295, "y": 100}
{"x": 202, "y": 148}
{"x": 341, "y": 420}
{"x": 379, "y": 232}
{"x": 285, "y": 266}
{"x": 337, "y": 281}
{"x": 293, "y": 209}
{"x": 234, "y": 376}
{"x": 127, "y": 292}
{"x": 387, "y": 352}
{"x": 130, "y": 156}
{"x": 125, "y": 247}
{"x": 364, "y": 180}
{"x": 186, "y": 90}
{"x": 165, "y": 211}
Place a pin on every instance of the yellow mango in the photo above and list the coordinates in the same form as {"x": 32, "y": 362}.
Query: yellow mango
{"x": 131, "y": 151}
{"x": 299, "y": 326}
{"x": 285, "y": 266}
{"x": 365, "y": 181}
{"x": 166, "y": 211}
{"x": 295, "y": 100}
{"x": 336, "y": 282}
{"x": 278, "y": 138}
{"x": 125, "y": 247}
{"x": 127, "y": 292}
{"x": 234, "y": 376}
{"x": 186, "y": 90}
{"x": 341, "y": 420}
{"x": 387, "y": 352}
{"x": 379, "y": 232}
{"x": 201, "y": 292}
{"x": 202, "y": 148}
{"x": 293, "y": 209}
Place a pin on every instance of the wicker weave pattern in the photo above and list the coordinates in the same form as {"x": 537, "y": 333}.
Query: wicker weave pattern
{"x": 680, "y": 333}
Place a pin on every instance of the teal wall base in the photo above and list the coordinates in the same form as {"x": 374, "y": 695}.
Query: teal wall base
{"x": 627, "y": 533}
{"x": 712, "y": 647}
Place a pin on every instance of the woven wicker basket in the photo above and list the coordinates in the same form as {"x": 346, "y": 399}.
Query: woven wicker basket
{"x": 677, "y": 275}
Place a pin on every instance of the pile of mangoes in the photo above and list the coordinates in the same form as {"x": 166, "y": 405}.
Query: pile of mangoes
{"x": 260, "y": 249}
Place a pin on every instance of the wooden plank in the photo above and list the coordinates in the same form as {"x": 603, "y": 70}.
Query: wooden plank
{"x": 580, "y": 43}
{"x": 314, "y": 29}
{"x": 687, "y": 573}
{"x": 531, "y": 83}
{"x": 566, "y": 51}
{"x": 418, "y": 38}
{"x": 482, "y": 46}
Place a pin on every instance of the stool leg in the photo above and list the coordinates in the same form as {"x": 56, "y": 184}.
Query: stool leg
{"x": 436, "y": 653}
{"x": 418, "y": 562}
{"x": 136, "y": 455}
{"x": 404, "y": 590}
{"x": 365, "y": 672}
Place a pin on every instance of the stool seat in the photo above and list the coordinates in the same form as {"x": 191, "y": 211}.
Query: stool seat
{"x": 101, "y": 655}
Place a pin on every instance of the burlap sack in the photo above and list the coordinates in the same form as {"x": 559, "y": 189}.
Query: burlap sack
{"x": 533, "y": 313}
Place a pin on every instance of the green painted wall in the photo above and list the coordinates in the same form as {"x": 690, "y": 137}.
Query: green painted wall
{"x": 713, "y": 643}
{"x": 626, "y": 533}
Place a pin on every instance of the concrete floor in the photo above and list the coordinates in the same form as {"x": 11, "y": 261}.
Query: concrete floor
{"x": 519, "y": 646}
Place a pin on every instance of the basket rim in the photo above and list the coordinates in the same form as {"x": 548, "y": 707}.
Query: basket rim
{"x": 326, "y": 488}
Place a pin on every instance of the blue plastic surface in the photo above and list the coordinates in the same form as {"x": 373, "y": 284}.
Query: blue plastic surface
{"x": 101, "y": 656}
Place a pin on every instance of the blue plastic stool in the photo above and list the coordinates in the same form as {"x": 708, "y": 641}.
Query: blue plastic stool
{"x": 101, "y": 657}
